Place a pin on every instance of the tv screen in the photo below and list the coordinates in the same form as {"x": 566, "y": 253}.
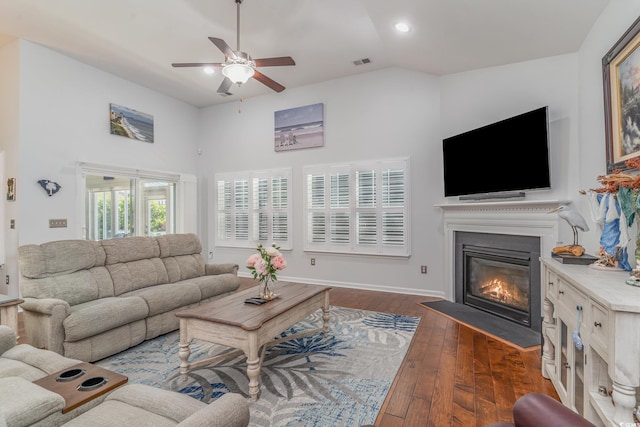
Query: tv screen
{"x": 507, "y": 156}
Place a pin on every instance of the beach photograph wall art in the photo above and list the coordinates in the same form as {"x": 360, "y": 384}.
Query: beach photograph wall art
{"x": 300, "y": 127}
{"x": 131, "y": 123}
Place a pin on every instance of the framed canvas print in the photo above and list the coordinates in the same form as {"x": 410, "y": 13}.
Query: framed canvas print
{"x": 300, "y": 127}
{"x": 621, "y": 75}
{"x": 130, "y": 123}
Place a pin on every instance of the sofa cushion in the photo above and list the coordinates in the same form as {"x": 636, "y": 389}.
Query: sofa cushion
{"x": 16, "y": 368}
{"x": 94, "y": 317}
{"x": 163, "y": 298}
{"x": 74, "y": 288}
{"x": 24, "y": 403}
{"x": 59, "y": 257}
{"x": 211, "y": 286}
{"x": 32, "y": 363}
{"x": 179, "y": 244}
{"x": 184, "y": 267}
{"x": 129, "y": 276}
{"x": 138, "y": 404}
{"x": 130, "y": 249}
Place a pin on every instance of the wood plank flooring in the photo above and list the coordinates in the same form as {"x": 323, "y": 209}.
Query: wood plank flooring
{"x": 452, "y": 375}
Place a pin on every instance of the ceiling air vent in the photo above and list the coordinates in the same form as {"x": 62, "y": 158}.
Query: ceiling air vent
{"x": 362, "y": 61}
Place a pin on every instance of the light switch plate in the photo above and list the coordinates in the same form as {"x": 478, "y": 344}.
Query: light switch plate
{"x": 58, "y": 223}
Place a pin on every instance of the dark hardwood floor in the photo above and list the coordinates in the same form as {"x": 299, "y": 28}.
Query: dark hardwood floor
{"x": 452, "y": 375}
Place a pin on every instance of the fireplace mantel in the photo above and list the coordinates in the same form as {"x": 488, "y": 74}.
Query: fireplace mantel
{"x": 520, "y": 217}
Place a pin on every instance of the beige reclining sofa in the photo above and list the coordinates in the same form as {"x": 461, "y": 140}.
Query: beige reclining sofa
{"x": 24, "y": 403}
{"x": 88, "y": 300}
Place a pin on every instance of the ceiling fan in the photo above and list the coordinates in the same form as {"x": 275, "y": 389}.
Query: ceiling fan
{"x": 238, "y": 66}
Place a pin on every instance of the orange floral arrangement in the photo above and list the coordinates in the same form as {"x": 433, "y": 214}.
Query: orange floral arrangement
{"x": 612, "y": 182}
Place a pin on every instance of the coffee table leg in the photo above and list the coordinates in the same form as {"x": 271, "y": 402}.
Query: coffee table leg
{"x": 253, "y": 367}
{"x": 185, "y": 350}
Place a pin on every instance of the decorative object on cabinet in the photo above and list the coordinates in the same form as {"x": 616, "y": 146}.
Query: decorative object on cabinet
{"x": 622, "y": 117}
{"x": 607, "y": 360}
{"x": 49, "y": 187}
{"x": 131, "y": 123}
{"x": 607, "y": 213}
{"x": 626, "y": 188}
{"x": 576, "y": 221}
{"x": 301, "y": 127}
{"x": 11, "y": 189}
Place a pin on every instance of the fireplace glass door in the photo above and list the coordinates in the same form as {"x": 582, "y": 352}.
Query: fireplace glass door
{"x": 499, "y": 283}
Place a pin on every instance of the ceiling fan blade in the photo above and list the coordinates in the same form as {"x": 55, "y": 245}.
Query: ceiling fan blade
{"x": 274, "y": 62}
{"x": 197, "y": 64}
{"x": 224, "y": 47}
{"x": 225, "y": 85}
{"x": 268, "y": 82}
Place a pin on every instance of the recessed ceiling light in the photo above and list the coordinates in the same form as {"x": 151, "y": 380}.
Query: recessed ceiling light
{"x": 209, "y": 70}
{"x": 403, "y": 27}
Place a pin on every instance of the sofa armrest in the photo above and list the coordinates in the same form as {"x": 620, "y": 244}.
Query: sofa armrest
{"x": 230, "y": 410}
{"x": 7, "y": 338}
{"x": 213, "y": 269}
{"x": 47, "y": 306}
{"x": 535, "y": 409}
{"x": 43, "y": 319}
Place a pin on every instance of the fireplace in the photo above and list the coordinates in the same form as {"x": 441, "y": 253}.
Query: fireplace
{"x": 499, "y": 274}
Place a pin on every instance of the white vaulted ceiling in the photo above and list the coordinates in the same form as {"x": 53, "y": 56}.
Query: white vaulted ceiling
{"x": 139, "y": 39}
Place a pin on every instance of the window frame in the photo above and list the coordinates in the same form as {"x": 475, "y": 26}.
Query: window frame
{"x": 184, "y": 216}
{"x": 354, "y": 209}
{"x": 253, "y": 210}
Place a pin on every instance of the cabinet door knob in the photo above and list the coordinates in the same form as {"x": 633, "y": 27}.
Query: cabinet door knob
{"x": 561, "y": 292}
{"x": 567, "y": 365}
{"x": 597, "y": 324}
{"x": 551, "y": 283}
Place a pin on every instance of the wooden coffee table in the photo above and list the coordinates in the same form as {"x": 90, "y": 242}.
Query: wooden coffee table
{"x": 73, "y": 391}
{"x": 250, "y": 328}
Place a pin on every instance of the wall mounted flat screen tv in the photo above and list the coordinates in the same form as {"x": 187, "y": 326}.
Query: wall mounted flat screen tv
{"x": 508, "y": 156}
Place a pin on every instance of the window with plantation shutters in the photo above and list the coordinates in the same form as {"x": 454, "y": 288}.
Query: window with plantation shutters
{"x": 358, "y": 208}
{"x": 253, "y": 207}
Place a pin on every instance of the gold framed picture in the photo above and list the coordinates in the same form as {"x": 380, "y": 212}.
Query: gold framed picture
{"x": 621, "y": 75}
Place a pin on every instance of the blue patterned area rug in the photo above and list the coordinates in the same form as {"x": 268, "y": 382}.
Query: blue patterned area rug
{"x": 341, "y": 380}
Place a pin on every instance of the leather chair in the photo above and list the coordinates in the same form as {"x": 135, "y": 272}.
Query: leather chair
{"x": 540, "y": 410}
{"x": 535, "y": 409}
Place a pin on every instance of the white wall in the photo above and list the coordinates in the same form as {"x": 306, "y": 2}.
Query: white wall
{"x": 476, "y": 98}
{"x": 9, "y": 135}
{"x": 64, "y": 118}
{"x": 610, "y": 26}
{"x": 382, "y": 114}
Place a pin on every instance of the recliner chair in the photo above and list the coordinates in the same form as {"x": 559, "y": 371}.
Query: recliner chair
{"x": 535, "y": 410}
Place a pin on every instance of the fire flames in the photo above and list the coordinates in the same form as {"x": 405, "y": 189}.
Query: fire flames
{"x": 500, "y": 291}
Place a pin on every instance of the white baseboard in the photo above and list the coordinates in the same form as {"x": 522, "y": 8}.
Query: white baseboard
{"x": 363, "y": 286}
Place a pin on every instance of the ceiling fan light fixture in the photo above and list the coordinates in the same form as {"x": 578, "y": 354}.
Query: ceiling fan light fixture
{"x": 403, "y": 27}
{"x": 238, "y": 73}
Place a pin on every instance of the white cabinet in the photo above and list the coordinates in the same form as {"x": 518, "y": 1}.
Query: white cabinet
{"x": 598, "y": 379}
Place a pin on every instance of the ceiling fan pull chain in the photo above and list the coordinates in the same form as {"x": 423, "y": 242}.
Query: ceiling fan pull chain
{"x": 240, "y": 106}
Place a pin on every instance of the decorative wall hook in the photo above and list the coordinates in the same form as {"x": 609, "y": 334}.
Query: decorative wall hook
{"x": 49, "y": 186}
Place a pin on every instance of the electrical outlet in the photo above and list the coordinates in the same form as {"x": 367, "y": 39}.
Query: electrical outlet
{"x": 210, "y": 255}
{"x": 7, "y": 280}
{"x": 313, "y": 261}
{"x": 423, "y": 269}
